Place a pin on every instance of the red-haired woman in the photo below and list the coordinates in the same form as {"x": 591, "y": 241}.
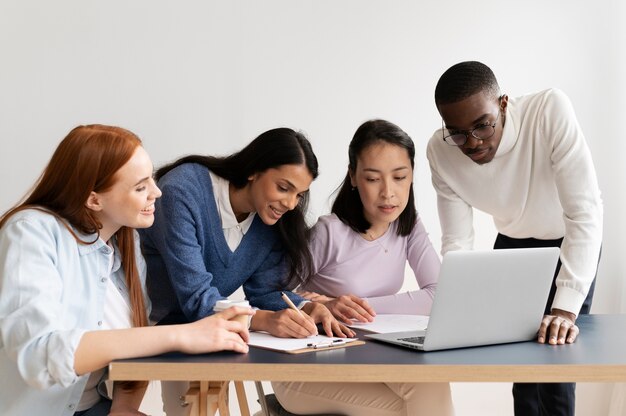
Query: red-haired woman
{"x": 72, "y": 282}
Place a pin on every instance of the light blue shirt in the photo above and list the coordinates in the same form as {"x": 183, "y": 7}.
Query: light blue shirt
{"x": 52, "y": 290}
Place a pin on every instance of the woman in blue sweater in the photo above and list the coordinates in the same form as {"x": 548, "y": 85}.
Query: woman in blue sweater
{"x": 226, "y": 222}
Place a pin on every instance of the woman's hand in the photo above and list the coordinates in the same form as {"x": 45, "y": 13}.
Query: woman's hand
{"x": 321, "y": 314}
{"x": 287, "y": 323}
{"x": 347, "y": 308}
{"x": 97, "y": 349}
{"x": 215, "y": 333}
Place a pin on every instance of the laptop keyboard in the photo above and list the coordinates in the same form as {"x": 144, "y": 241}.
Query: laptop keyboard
{"x": 413, "y": 340}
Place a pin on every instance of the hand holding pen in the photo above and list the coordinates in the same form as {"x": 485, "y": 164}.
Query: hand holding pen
{"x": 295, "y": 323}
{"x": 320, "y": 313}
{"x": 288, "y": 323}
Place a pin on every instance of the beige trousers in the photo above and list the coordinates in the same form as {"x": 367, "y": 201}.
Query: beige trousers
{"x": 171, "y": 391}
{"x": 364, "y": 399}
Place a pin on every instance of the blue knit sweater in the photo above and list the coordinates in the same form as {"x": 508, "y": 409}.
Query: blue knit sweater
{"x": 191, "y": 267}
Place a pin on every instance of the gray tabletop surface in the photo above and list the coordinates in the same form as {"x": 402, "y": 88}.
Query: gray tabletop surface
{"x": 602, "y": 341}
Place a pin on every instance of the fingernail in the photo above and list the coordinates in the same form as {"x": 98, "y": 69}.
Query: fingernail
{"x": 541, "y": 340}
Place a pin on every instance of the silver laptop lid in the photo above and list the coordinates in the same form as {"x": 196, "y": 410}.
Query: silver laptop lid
{"x": 490, "y": 297}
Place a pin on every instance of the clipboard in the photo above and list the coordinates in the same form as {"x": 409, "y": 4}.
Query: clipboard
{"x": 300, "y": 345}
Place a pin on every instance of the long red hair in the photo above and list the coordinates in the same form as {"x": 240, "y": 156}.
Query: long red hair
{"x": 87, "y": 160}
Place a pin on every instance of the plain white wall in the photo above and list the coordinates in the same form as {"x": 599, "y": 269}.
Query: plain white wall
{"x": 208, "y": 76}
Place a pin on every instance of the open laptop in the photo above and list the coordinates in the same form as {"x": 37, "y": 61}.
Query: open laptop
{"x": 485, "y": 297}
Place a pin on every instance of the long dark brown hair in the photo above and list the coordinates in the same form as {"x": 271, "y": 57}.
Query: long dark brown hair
{"x": 273, "y": 148}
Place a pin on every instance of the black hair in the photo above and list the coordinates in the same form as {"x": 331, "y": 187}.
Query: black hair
{"x": 464, "y": 80}
{"x": 348, "y": 205}
{"x": 271, "y": 149}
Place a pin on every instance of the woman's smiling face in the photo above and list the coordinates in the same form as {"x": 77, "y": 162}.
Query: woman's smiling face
{"x": 130, "y": 201}
{"x": 278, "y": 190}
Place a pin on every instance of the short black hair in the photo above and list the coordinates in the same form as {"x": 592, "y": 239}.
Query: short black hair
{"x": 464, "y": 80}
{"x": 348, "y": 205}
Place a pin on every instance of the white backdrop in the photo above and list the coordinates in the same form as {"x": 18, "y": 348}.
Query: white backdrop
{"x": 207, "y": 77}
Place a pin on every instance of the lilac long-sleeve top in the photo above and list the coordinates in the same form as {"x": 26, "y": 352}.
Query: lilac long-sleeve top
{"x": 346, "y": 263}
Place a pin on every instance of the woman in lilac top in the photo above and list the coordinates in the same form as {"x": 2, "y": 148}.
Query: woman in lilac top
{"x": 372, "y": 232}
{"x": 359, "y": 254}
{"x": 340, "y": 254}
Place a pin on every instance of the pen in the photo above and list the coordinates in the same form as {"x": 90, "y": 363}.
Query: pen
{"x": 290, "y": 303}
{"x": 333, "y": 343}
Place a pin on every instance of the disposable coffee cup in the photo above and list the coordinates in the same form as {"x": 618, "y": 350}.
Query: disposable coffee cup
{"x": 222, "y": 305}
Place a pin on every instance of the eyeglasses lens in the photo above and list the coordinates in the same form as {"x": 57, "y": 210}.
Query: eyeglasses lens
{"x": 484, "y": 132}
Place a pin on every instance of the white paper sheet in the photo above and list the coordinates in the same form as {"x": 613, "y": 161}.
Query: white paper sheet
{"x": 385, "y": 323}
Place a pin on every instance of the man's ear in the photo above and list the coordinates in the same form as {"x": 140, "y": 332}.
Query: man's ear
{"x": 93, "y": 202}
{"x": 504, "y": 101}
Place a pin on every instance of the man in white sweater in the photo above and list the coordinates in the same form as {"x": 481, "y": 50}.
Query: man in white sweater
{"x": 525, "y": 162}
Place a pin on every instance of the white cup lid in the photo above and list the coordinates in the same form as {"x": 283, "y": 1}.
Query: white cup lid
{"x": 220, "y": 305}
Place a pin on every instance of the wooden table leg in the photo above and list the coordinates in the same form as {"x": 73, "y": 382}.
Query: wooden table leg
{"x": 242, "y": 399}
{"x": 204, "y": 390}
{"x": 205, "y": 398}
{"x": 222, "y": 399}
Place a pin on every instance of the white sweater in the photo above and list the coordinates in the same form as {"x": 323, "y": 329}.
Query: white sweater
{"x": 540, "y": 184}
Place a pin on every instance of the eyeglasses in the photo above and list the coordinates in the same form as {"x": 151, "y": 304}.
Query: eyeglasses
{"x": 460, "y": 137}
